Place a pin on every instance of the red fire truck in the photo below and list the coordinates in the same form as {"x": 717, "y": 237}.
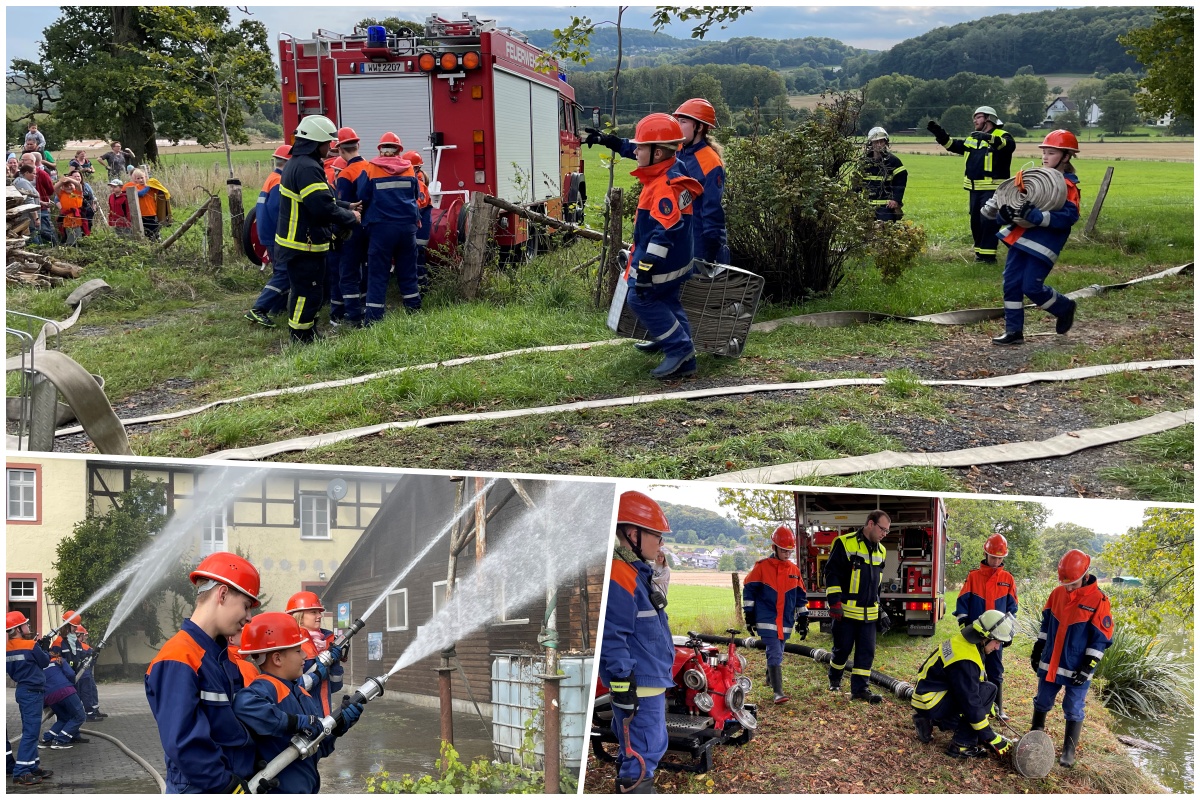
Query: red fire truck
{"x": 473, "y": 98}
{"x": 914, "y": 574}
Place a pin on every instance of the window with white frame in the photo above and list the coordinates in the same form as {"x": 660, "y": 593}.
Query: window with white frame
{"x": 503, "y": 612}
{"x": 22, "y": 494}
{"x": 22, "y": 590}
{"x": 439, "y": 596}
{"x": 314, "y": 516}
{"x": 212, "y": 538}
{"x": 397, "y": 610}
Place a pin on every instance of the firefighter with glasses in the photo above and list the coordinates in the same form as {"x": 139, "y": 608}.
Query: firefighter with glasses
{"x": 637, "y": 652}
{"x": 1077, "y": 627}
{"x": 884, "y": 177}
{"x": 308, "y": 215}
{"x": 989, "y": 587}
{"x": 853, "y": 580}
{"x": 952, "y": 693}
{"x": 773, "y": 600}
{"x": 989, "y": 151}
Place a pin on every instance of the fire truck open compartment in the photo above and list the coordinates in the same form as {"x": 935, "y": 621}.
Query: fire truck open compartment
{"x": 914, "y": 572}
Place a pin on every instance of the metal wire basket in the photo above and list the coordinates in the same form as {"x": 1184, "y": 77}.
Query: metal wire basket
{"x": 720, "y": 302}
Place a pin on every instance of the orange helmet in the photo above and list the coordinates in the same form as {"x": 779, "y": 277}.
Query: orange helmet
{"x": 639, "y": 509}
{"x": 283, "y": 151}
{"x": 389, "y": 139}
{"x": 996, "y": 545}
{"x": 14, "y": 619}
{"x": 784, "y": 538}
{"x": 337, "y": 162}
{"x": 698, "y": 109}
{"x": 414, "y": 157}
{"x": 273, "y": 630}
{"x": 1061, "y": 140}
{"x": 1073, "y": 566}
{"x": 658, "y": 128}
{"x": 81, "y": 631}
{"x": 346, "y": 136}
{"x": 72, "y": 617}
{"x": 304, "y": 601}
{"x": 231, "y": 570}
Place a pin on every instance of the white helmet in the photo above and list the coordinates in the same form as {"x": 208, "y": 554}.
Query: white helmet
{"x": 316, "y": 128}
{"x": 992, "y": 116}
{"x": 877, "y": 133}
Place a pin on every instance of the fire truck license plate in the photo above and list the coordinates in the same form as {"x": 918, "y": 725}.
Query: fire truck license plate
{"x": 819, "y": 613}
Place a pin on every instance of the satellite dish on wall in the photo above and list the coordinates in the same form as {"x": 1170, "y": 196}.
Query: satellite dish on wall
{"x": 337, "y": 489}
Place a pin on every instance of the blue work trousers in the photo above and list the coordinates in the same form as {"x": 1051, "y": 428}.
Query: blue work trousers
{"x": 274, "y": 296}
{"x": 88, "y": 693}
{"x": 390, "y": 243}
{"x": 423, "y": 234}
{"x": 30, "y": 703}
{"x": 647, "y": 736}
{"x": 1073, "y": 697}
{"x": 351, "y": 273}
{"x": 859, "y": 637}
{"x": 774, "y": 646}
{"x": 660, "y": 310}
{"x": 333, "y": 286}
{"x": 1026, "y": 275}
{"x": 69, "y": 716}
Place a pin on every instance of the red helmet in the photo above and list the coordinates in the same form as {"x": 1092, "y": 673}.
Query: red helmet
{"x": 283, "y": 151}
{"x": 81, "y": 631}
{"x": 996, "y": 545}
{"x": 698, "y": 109}
{"x": 389, "y": 139}
{"x": 784, "y": 538}
{"x": 639, "y": 509}
{"x": 273, "y": 630}
{"x": 14, "y": 619}
{"x": 346, "y": 136}
{"x": 72, "y": 617}
{"x": 304, "y": 601}
{"x": 337, "y": 162}
{"x": 231, "y": 570}
{"x": 1062, "y": 140}
{"x": 414, "y": 157}
{"x": 657, "y": 129}
{"x": 1073, "y": 566}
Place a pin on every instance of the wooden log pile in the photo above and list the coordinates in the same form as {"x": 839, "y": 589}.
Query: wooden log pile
{"x": 23, "y": 267}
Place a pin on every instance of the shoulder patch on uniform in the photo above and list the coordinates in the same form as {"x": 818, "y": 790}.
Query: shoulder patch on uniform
{"x": 947, "y": 650}
{"x": 666, "y": 207}
{"x": 624, "y": 575}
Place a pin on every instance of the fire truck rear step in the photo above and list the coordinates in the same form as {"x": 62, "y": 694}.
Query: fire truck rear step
{"x": 687, "y": 723}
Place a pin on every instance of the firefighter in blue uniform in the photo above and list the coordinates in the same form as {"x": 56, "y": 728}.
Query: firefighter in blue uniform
{"x": 1077, "y": 627}
{"x": 191, "y": 683}
{"x": 989, "y": 151}
{"x": 425, "y": 204}
{"x": 62, "y": 698}
{"x": 853, "y": 577}
{"x": 88, "y": 691}
{"x": 1035, "y": 237}
{"x": 274, "y": 295}
{"x": 274, "y": 707}
{"x": 637, "y": 651}
{"x": 884, "y": 177}
{"x": 389, "y": 190}
{"x": 352, "y": 275}
{"x": 773, "y": 600}
{"x": 989, "y": 587}
{"x": 320, "y": 681}
{"x": 25, "y": 662}
{"x": 308, "y": 212}
{"x": 703, "y": 160}
{"x": 951, "y": 692}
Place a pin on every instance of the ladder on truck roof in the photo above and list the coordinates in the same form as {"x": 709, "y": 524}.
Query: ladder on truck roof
{"x": 322, "y": 43}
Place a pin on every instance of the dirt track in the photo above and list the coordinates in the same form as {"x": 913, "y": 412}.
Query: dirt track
{"x": 1094, "y": 151}
{"x": 700, "y": 577}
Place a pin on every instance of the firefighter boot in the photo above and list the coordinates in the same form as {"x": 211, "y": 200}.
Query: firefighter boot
{"x": 1000, "y": 715}
{"x": 776, "y": 677}
{"x": 1070, "y": 740}
{"x": 924, "y": 727}
{"x": 959, "y": 750}
{"x": 630, "y": 786}
{"x": 835, "y": 680}
{"x": 867, "y": 696}
{"x": 1039, "y": 721}
{"x": 1009, "y": 338}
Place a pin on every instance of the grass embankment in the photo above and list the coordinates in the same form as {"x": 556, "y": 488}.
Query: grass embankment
{"x": 823, "y": 742}
{"x": 174, "y": 322}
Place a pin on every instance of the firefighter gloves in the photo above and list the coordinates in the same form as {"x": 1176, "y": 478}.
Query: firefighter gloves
{"x": 884, "y": 624}
{"x": 835, "y": 611}
{"x": 1030, "y": 213}
{"x": 236, "y": 785}
{"x": 939, "y": 133}
{"x": 607, "y": 139}
{"x": 337, "y": 653}
{"x": 624, "y": 694}
{"x": 350, "y": 714}
{"x": 1035, "y": 658}
{"x": 802, "y": 626}
{"x": 310, "y": 726}
{"x": 751, "y": 628}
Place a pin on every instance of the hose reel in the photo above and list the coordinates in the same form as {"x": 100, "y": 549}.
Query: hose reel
{"x": 1044, "y": 188}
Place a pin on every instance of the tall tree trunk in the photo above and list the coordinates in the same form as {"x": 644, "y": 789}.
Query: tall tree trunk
{"x": 135, "y": 128}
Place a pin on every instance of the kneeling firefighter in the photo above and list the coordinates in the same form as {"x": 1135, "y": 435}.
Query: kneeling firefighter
{"x": 952, "y": 691}
{"x": 773, "y": 599}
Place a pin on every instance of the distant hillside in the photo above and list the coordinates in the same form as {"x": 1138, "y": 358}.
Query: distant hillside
{"x": 633, "y": 41}
{"x": 691, "y": 525}
{"x": 1081, "y": 40}
{"x": 811, "y": 51}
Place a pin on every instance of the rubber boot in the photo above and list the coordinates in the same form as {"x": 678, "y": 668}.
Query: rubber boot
{"x": 1070, "y": 740}
{"x": 1009, "y": 338}
{"x": 1064, "y": 323}
{"x": 777, "y": 685}
{"x": 648, "y": 347}
{"x": 867, "y": 696}
{"x": 629, "y": 786}
{"x": 924, "y": 726}
{"x": 1000, "y": 715}
{"x": 835, "y": 679}
{"x": 1039, "y": 721}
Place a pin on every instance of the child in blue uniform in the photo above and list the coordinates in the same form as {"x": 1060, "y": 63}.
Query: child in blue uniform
{"x": 25, "y": 663}
{"x": 773, "y": 600}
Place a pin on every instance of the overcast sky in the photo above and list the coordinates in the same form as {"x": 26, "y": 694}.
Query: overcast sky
{"x": 875, "y": 27}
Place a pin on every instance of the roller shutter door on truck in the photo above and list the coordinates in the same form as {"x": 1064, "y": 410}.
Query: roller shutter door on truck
{"x": 526, "y": 139}
{"x": 373, "y": 105}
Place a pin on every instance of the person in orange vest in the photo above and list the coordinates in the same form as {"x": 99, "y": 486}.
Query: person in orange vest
{"x": 1035, "y": 237}
{"x": 702, "y": 159}
{"x": 147, "y": 202}
{"x": 275, "y": 706}
{"x": 68, "y": 196}
{"x": 773, "y": 600}
{"x": 321, "y": 681}
{"x": 191, "y": 683}
{"x": 661, "y": 260}
{"x": 389, "y": 190}
{"x": 425, "y": 206}
{"x": 273, "y": 297}
{"x": 351, "y": 271}
{"x": 989, "y": 586}
{"x": 25, "y": 663}
{"x": 1077, "y": 627}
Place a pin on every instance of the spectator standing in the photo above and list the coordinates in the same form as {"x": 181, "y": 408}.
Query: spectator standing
{"x": 114, "y": 159}
{"x": 82, "y": 163}
{"x": 36, "y": 137}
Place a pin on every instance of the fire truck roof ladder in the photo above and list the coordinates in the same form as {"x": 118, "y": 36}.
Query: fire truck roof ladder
{"x": 323, "y": 48}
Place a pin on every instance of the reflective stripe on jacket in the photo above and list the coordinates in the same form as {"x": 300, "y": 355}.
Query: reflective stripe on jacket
{"x": 24, "y": 662}
{"x": 308, "y": 211}
{"x": 662, "y": 231}
{"x": 772, "y": 595}
{"x": 1076, "y": 628}
{"x": 269, "y": 708}
{"x": 884, "y": 180}
{"x": 854, "y": 575}
{"x": 701, "y": 162}
{"x": 989, "y": 158}
{"x": 986, "y": 588}
{"x": 637, "y": 639}
{"x": 955, "y": 670}
{"x": 1047, "y": 240}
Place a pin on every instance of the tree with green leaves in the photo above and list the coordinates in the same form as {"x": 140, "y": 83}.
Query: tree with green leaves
{"x": 100, "y": 546}
{"x": 1167, "y": 50}
{"x": 1064, "y": 536}
{"x": 1160, "y": 551}
{"x": 1028, "y": 97}
{"x": 1120, "y": 111}
{"x": 971, "y": 522}
{"x": 394, "y": 25}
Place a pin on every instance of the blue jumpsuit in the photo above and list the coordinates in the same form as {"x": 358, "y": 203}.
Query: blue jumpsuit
{"x": 62, "y": 698}
{"x": 268, "y": 707}
{"x": 389, "y": 190}
{"x": 274, "y": 295}
{"x": 772, "y": 597}
{"x": 1077, "y": 628}
{"x": 24, "y": 664}
{"x": 701, "y": 162}
{"x": 354, "y": 249}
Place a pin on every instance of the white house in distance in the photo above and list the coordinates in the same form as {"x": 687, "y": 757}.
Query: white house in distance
{"x": 1063, "y": 104}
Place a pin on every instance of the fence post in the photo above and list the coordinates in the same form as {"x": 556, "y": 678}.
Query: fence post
{"x": 135, "y": 212}
{"x": 613, "y": 269}
{"x": 1094, "y": 217}
{"x": 216, "y": 245}
{"x": 237, "y": 216}
{"x": 479, "y": 225}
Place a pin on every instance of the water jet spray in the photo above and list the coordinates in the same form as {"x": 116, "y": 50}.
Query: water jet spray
{"x": 90, "y": 659}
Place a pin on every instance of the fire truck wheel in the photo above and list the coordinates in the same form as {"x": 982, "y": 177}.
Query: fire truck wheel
{"x": 250, "y": 246}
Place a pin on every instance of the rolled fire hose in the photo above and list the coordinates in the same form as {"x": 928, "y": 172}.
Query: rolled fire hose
{"x": 1042, "y": 187}
{"x": 901, "y": 689}
{"x": 302, "y": 747}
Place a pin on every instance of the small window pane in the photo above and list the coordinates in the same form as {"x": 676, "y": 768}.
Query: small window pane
{"x": 22, "y": 494}
{"x": 314, "y": 516}
{"x": 397, "y": 610}
{"x": 213, "y": 537}
{"x": 22, "y": 589}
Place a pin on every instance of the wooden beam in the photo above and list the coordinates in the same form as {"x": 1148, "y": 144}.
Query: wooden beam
{"x": 479, "y": 226}
{"x": 1095, "y": 215}
{"x": 189, "y": 222}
